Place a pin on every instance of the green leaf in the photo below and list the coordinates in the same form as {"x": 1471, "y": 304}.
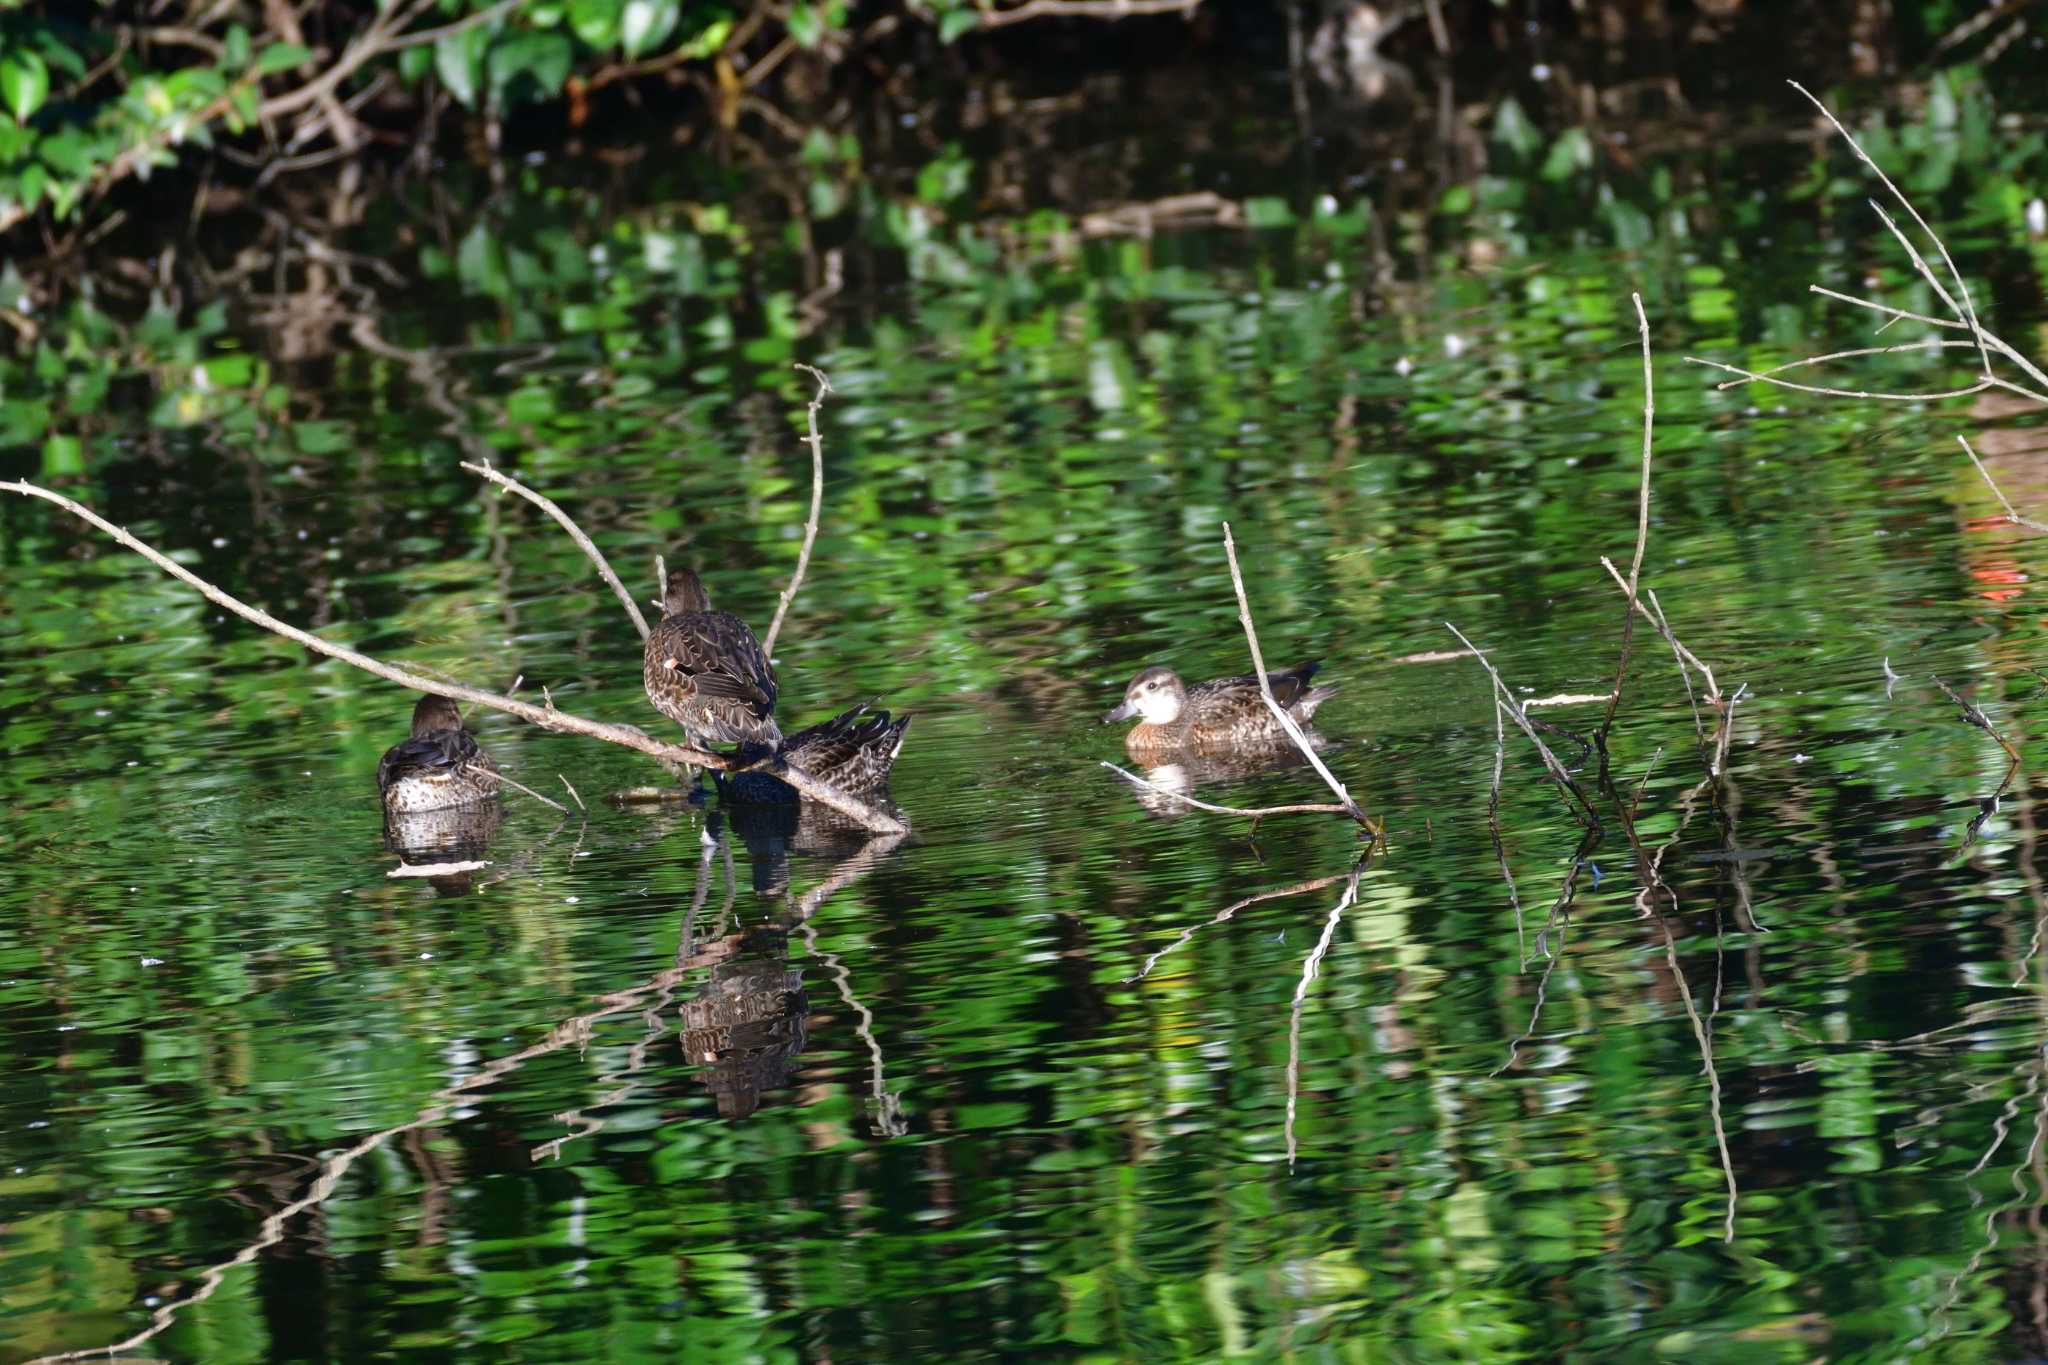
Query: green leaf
{"x": 707, "y": 42}
{"x": 235, "y": 51}
{"x": 459, "y": 59}
{"x": 644, "y": 23}
{"x": 958, "y": 21}
{"x": 280, "y": 57}
{"x": 595, "y": 22}
{"x": 63, "y": 455}
{"x": 24, "y": 84}
{"x": 542, "y": 57}
{"x": 805, "y": 26}
{"x": 1267, "y": 213}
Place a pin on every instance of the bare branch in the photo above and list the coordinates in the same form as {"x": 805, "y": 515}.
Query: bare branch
{"x": 1745, "y": 375}
{"x": 803, "y": 556}
{"x": 583, "y": 542}
{"x": 1968, "y": 312}
{"x": 1084, "y": 9}
{"x": 1287, "y": 722}
{"x": 548, "y": 718}
{"x": 1635, "y": 568}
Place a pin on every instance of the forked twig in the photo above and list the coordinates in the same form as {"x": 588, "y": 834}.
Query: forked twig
{"x": 567, "y": 523}
{"x": 1556, "y": 769}
{"x": 803, "y": 556}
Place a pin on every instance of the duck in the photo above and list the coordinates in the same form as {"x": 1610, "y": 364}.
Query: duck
{"x": 440, "y": 765}
{"x": 854, "y": 751}
{"x": 1221, "y": 714}
{"x": 705, "y": 671}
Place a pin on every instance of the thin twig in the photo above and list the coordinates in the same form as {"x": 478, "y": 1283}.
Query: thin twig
{"x": 803, "y": 556}
{"x": 1977, "y": 387}
{"x": 1655, "y": 618}
{"x": 1556, "y": 769}
{"x": 2010, "y": 515}
{"x": 572, "y": 794}
{"x": 1255, "y": 812}
{"x": 548, "y": 718}
{"x": 1287, "y": 722}
{"x": 518, "y": 786}
{"x": 1974, "y": 716}
{"x": 583, "y": 542}
{"x": 1968, "y": 312}
{"x": 1635, "y": 568}
{"x": 1500, "y": 852}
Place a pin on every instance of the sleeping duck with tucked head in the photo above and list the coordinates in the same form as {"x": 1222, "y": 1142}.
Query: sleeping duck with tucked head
{"x": 1221, "y": 714}
{"x": 438, "y": 766}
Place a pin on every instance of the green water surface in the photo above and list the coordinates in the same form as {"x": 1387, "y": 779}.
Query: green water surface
{"x": 653, "y": 1087}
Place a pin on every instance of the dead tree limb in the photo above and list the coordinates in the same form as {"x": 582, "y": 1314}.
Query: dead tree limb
{"x": 547, "y": 718}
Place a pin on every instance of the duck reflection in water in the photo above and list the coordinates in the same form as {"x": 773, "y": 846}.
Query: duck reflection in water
{"x": 448, "y": 847}
{"x": 749, "y": 1022}
{"x": 1186, "y": 773}
{"x": 750, "y": 1018}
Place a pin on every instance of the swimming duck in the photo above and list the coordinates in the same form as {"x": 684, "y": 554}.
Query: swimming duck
{"x": 706, "y": 672}
{"x": 1224, "y": 713}
{"x": 441, "y": 765}
{"x": 854, "y": 751}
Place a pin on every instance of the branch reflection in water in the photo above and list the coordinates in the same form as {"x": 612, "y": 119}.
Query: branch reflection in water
{"x": 651, "y": 997}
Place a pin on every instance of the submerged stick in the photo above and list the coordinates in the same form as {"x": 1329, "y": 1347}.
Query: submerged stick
{"x": 1255, "y": 812}
{"x": 1635, "y": 568}
{"x": 547, "y": 718}
{"x": 1500, "y": 852}
{"x": 1514, "y": 710}
{"x": 583, "y": 542}
{"x": 803, "y": 556}
{"x": 1287, "y": 722}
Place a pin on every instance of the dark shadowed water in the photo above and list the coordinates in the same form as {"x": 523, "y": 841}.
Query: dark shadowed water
{"x": 659, "y": 1084}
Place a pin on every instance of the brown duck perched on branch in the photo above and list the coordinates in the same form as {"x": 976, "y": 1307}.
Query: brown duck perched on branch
{"x": 1224, "y": 713}
{"x": 439, "y": 766}
{"x": 706, "y": 672}
{"x": 854, "y": 751}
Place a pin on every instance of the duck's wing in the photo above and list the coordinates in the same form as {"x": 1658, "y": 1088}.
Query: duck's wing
{"x": 1290, "y": 685}
{"x": 720, "y": 656}
{"x": 422, "y": 753}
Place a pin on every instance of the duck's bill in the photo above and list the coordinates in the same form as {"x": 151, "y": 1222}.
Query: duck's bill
{"x": 1124, "y": 712}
